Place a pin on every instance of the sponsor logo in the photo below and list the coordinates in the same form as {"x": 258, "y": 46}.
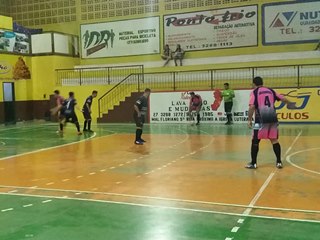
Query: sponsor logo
{"x": 301, "y": 101}
{"x": 227, "y": 16}
{"x": 4, "y": 67}
{"x": 95, "y": 41}
{"x": 283, "y": 19}
{"x": 238, "y": 114}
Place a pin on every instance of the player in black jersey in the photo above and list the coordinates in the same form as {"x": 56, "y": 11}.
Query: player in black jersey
{"x": 87, "y": 111}
{"x": 68, "y": 114}
{"x": 140, "y": 111}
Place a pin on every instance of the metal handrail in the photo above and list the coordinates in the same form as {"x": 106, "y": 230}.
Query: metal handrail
{"x": 275, "y": 76}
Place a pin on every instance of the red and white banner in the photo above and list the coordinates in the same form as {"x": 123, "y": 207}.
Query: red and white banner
{"x": 172, "y": 107}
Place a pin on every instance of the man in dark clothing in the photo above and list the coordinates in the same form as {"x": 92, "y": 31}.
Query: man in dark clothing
{"x": 140, "y": 111}
{"x": 86, "y": 110}
{"x": 68, "y": 114}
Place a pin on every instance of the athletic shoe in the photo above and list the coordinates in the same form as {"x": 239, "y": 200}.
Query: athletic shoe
{"x": 79, "y": 133}
{"x": 138, "y": 142}
{"x": 85, "y": 130}
{"x": 90, "y": 131}
{"x": 141, "y": 140}
{"x": 251, "y": 166}
{"x": 197, "y": 123}
{"x": 227, "y": 123}
{"x": 279, "y": 165}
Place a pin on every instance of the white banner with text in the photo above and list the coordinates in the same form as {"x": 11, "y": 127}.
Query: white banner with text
{"x": 212, "y": 29}
{"x": 120, "y": 38}
{"x": 291, "y": 22}
{"x": 171, "y": 107}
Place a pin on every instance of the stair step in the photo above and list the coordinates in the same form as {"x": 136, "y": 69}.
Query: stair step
{"x": 122, "y": 113}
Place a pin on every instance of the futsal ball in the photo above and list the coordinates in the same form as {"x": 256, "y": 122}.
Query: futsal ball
{"x": 256, "y": 126}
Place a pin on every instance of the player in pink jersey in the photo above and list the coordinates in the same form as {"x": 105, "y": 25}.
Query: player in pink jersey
{"x": 195, "y": 106}
{"x": 261, "y": 104}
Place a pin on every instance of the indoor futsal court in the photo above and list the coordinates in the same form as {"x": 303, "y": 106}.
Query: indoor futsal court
{"x": 160, "y": 97}
{"x": 186, "y": 182}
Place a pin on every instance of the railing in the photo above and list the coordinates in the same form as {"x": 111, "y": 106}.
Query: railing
{"x": 95, "y": 75}
{"x": 128, "y": 85}
{"x": 239, "y": 78}
{"x": 132, "y": 78}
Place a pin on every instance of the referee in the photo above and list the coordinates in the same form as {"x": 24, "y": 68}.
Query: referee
{"x": 140, "y": 111}
{"x": 228, "y": 95}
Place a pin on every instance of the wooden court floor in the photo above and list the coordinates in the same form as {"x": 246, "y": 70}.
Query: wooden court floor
{"x": 187, "y": 182}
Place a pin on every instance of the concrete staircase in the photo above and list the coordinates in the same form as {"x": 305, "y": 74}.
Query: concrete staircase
{"x": 122, "y": 113}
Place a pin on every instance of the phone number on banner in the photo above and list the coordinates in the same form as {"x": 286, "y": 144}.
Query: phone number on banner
{"x": 210, "y": 45}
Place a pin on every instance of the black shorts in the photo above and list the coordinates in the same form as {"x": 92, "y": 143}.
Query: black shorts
{"x": 138, "y": 120}
{"x": 228, "y": 107}
{"x": 70, "y": 117}
{"x": 86, "y": 115}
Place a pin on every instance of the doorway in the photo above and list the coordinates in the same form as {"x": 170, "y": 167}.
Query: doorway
{"x": 9, "y": 103}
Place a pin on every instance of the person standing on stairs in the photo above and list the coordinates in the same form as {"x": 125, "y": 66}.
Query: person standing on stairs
{"x": 139, "y": 113}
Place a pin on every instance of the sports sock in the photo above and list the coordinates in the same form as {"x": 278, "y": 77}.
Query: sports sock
{"x": 254, "y": 152}
{"x": 277, "y": 151}
{"x": 78, "y": 126}
{"x": 85, "y": 125}
{"x": 229, "y": 117}
{"x": 89, "y": 124}
{"x": 61, "y": 126}
{"x": 198, "y": 118}
{"x": 138, "y": 134}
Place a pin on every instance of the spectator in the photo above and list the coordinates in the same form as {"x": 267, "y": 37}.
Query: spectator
{"x": 166, "y": 54}
{"x": 178, "y": 54}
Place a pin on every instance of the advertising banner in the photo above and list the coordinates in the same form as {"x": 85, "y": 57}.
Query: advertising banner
{"x": 120, "y": 38}
{"x": 172, "y": 107}
{"x": 14, "y": 42}
{"x": 291, "y": 22}
{"x": 307, "y": 101}
{"x": 5, "y": 69}
{"x": 212, "y": 29}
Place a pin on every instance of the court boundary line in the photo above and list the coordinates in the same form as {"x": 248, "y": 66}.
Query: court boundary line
{"x": 162, "y": 199}
{"x": 288, "y": 159}
{"x": 247, "y": 211}
{"x": 163, "y": 207}
{"x": 268, "y": 180}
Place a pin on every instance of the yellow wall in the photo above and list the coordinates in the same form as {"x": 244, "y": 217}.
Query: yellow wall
{"x": 44, "y": 74}
{"x": 6, "y": 22}
{"x": 81, "y": 93}
{"x": 23, "y": 88}
{"x": 260, "y": 49}
{"x": 90, "y": 12}
{"x": 82, "y": 12}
